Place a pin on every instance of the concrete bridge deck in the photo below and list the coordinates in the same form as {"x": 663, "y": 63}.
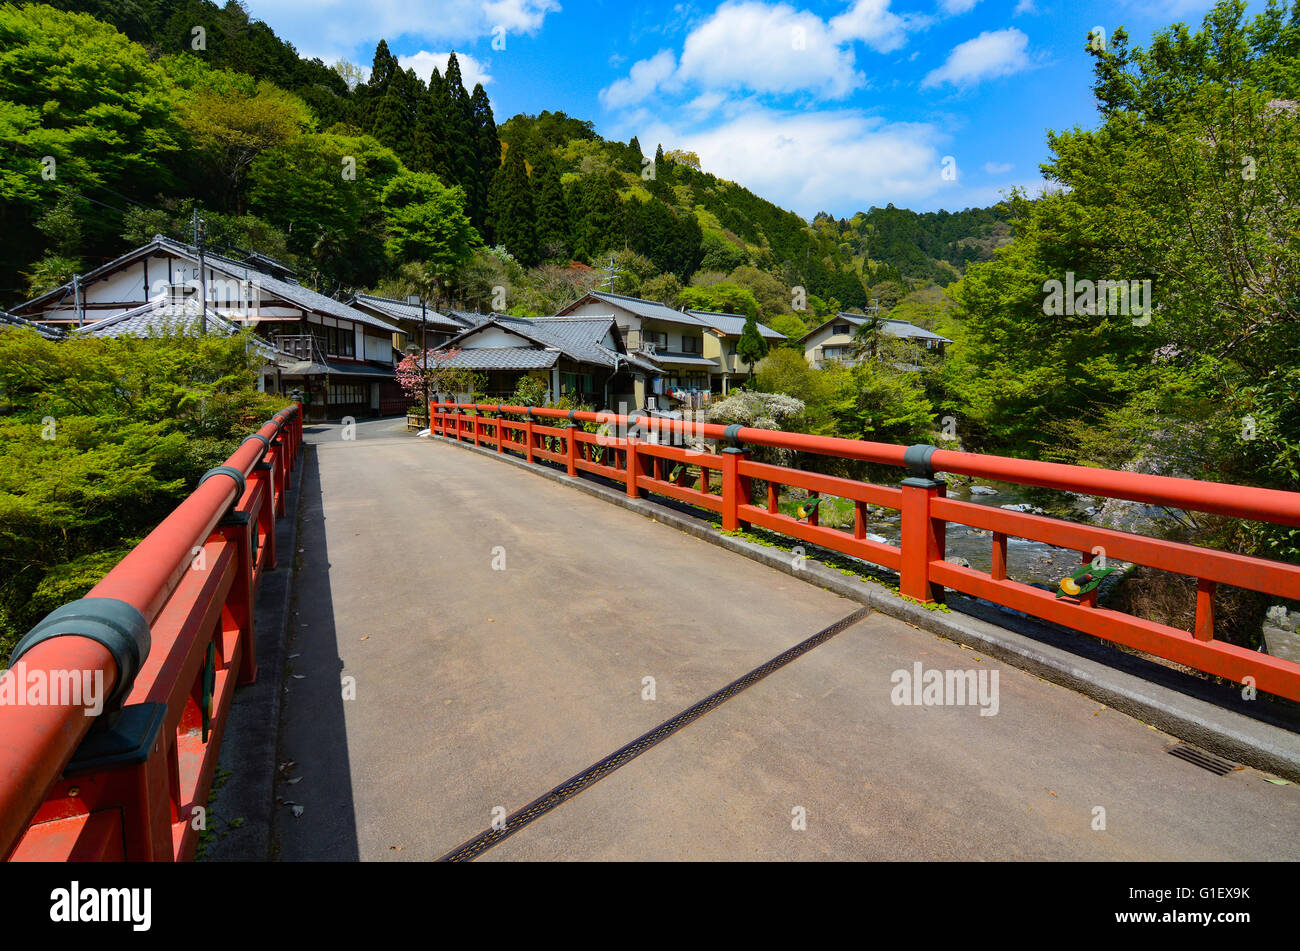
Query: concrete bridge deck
{"x": 478, "y": 688}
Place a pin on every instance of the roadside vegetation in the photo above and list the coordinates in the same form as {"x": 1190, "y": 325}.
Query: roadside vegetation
{"x": 99, "y": 440}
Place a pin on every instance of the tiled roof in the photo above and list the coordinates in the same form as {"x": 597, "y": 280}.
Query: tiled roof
{"x": 13, "y": 320}
{"x": 359, "y": 369}
{"x": 733, "y": 325}
{"x": 634, "y": 360}
{"x": 650, "y": 309}
{"x": 291, "y": 291}
{"x": 401, "y": 310}
{"x": 161, "y": 316}
{"x": 895, "y": 328}
{"x": 683, "y": 359}
{"x": 502, "y": 358}
{"x": 901, "y": 328}
{"x": 579, "y": 337}
{"x": 469, "y": 318}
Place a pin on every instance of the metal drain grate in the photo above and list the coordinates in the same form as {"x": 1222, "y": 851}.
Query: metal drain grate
{"x": 598, "y": 771}
{"x": 1198, "y": 757}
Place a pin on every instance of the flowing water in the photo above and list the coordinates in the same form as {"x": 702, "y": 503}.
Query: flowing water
{"x": 1028, "y": 561}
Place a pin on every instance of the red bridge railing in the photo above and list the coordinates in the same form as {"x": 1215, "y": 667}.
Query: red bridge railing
{"x": 166, "y": 636}
{"x": 633, "y": 450}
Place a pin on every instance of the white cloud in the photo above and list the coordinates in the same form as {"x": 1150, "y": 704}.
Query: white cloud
{"x": 332, "y": 29}
{"x": 517, "y": 16}
{"x": 954, "y": 7}
{"x": 998, "y": 168}
{"x": 768, "y": 49}
{"x": 471, "y": 70}
{"x": 839, "y": 160}
{"x": 705, "y": 103}
{"x": 991, "y": 54}
{"x": 771, "y": 49}
{"x": 643, "y": 79}
{"x": 1024, "y": 6}
{"x": 871, "y": 22}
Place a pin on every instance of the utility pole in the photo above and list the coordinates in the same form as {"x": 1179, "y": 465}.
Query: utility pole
{"x": 612, "y": 272}
{"x": 199, "y": 235}
{"x": 76, "y": 299}
{"x": 424, "y": 349}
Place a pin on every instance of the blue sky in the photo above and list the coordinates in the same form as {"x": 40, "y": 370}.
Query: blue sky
{"x": 833, "y": 106}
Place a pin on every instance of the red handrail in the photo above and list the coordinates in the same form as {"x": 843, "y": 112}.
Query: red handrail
{"x": 44, "y": 814}
{"x": 925, "y": 511}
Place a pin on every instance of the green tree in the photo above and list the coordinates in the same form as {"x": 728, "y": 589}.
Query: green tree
{"x": 487, "y": 156}
{"x": 752, "y": 347}
{"x": 511, "y": 210}
{"x": 135, "y": 422}
{"x": 792, "y": 327}
{"x": 234, "y": 119}
{"x": 665, "y": 288}
{"x": 323, "y": 190}
{"x": 723, "y": 298}
{"x": 396, "y": 113}
{"x": 551, "y": 211}
{"x": 426, "y": 221}
{"x": 76, "y": 90}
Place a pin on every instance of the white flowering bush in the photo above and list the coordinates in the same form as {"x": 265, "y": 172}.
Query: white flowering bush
{"x": 757, "y": 410}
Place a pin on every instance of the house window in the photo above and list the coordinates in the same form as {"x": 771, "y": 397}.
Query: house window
{"x": 338, "y": 341}
{"x": 731, "y": 349}
{"x": 347, "y": 393}
{"x": 690, "y": 344}
{"x": 840, "y": 329}
{"x": 577, "y": 383}
{"x": 657, "y": 337}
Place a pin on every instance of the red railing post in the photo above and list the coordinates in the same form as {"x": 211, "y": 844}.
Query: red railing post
{"x": 633, "y": 467}
{"x": 238, "y": 528}
{"x": 528, "y": 436}
{"x": 734, "y": 486}
{"x": 923, "y": 536}
{"x": 572, "y": 447}
{"x": 1204, "y": 626}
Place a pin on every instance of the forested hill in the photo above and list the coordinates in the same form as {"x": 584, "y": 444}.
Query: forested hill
{"x": 209, "y": 110}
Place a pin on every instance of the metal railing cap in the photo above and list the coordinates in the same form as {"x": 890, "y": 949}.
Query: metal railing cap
{"x": 119, "y": 626}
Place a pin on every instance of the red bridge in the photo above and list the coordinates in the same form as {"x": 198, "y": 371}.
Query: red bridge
{"x": 484, "y": 661}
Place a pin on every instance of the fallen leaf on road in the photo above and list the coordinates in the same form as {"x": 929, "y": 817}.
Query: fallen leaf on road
{"x": 296, "y": 779}
{"x": 299, "y": 676}
{"x": 297, "y": 811}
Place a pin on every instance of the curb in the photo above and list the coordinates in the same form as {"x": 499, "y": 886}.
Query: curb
{"x": 1207, "y": 715}
{"x": 252, "y": 734}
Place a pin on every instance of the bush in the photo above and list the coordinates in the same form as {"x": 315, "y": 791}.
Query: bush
{"x": 99, "y": 440}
